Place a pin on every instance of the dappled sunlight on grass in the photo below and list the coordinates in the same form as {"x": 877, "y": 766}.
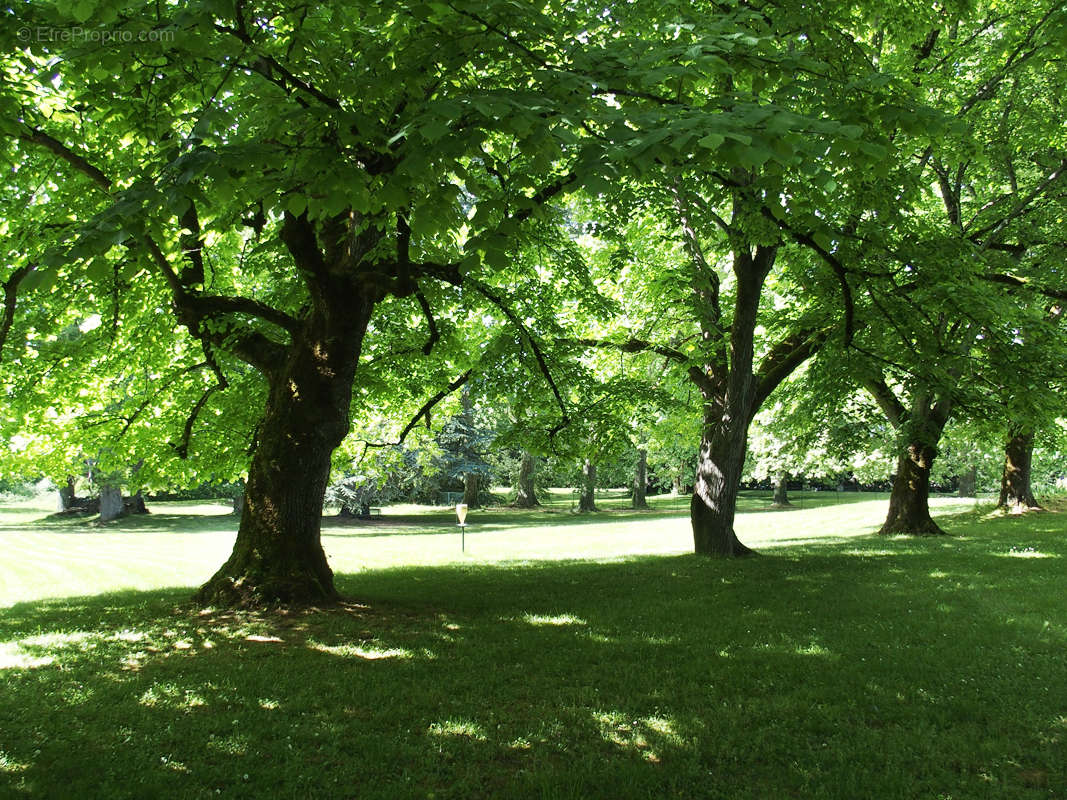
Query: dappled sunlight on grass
{"x": 647, "y": 736}
{"x": 809, "y": 672}
{"x": 166, "y": 694}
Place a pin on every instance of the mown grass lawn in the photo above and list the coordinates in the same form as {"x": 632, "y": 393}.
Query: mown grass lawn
{"x": 560, "y": 656}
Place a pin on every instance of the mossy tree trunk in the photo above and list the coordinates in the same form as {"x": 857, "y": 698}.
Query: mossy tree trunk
{"x": 278, "y": 555}
{"x": 909, "y": 503}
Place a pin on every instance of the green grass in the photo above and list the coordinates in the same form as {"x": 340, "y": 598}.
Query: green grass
{"x": 561, "y": 656}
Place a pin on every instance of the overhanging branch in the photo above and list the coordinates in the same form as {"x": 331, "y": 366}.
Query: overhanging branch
{"x": 11, "y": 288}
{"x": 424, "y": 411}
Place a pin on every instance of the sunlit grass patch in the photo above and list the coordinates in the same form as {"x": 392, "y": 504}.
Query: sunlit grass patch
{"x": 458, "y": 727}
{"x": 648, "y": 736}
{"x": 14, "y": 656}
{"x": 1027, "y": 552}
{"x": 364, "y": 650}
{"x": 553, "y": 620}
{"x": 166, "y": 694}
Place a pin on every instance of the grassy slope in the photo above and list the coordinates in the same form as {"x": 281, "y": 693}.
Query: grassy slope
{"x": 848, "y": 667}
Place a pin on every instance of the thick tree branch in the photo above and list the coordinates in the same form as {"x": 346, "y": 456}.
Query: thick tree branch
{"x": 891, "y": 406}
{"x": 192, "y": 245}
{"x": 435, "y": 334}
{"x": 631, "y": 346}
{"x": 80, "y": 163}
{"x": 11, "y": 288}
{"x": 266, "y": 66}
{"x": 1024, "y": 283}
{"x": 784, "y": 358}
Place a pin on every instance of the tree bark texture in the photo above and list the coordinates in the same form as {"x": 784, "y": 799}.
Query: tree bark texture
{"x": 587, "y": 498}
{"x": 730, "y": 402}
{"x": 1016, "y": 494}
{"x": 781, "y": 491}
{"x": 909, "y": 503}
{"x": 641, "y": 480}
{"x": 525, "y": 494}
{"x": 718, "y": 476}
{"x": 278, "y": 556}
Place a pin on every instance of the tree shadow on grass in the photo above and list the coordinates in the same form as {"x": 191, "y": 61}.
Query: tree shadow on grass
{"x": 813, "y": 672}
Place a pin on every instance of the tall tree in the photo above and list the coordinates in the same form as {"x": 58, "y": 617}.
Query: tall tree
{"x": 370, "y": 152}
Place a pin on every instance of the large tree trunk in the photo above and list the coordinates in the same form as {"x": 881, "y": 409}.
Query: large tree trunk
{"x": 909, "y": 503}
{"x": 781, "y": 490}
{"x": 718, "y": 476}
{"x": 525, "y": 495}
{"x": 641, "y": 480}
{"x": 730, "y": 402}
{"x": 278, "y": 556}
{"x": 470, "y": 489}
{"x": 1016, "y": 495}
{"x": 969, "y": 483}
{"x": 111, "y": 505}
{"x": 587, "y": 498}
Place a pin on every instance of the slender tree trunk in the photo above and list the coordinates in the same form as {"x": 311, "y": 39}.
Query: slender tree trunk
{"x": 781, "y": 493}
{"x": 909, "y": 503}
{"x": 111, "y": 505}
{"x": 1016, "y": 494}
{"x": 238, "y": 504}
{"x": 969, "y": 483}
{"x": 525, "y": 495}
{"x": 587, "y": 499}
{"x": 676, "y": 484}
{"x": 470, "y": 489}
{"x": 641, "y": 480}
{"x": 278, "y": 556}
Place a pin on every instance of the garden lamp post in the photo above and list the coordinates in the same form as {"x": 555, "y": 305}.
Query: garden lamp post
{"x": 461, "y": 514}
